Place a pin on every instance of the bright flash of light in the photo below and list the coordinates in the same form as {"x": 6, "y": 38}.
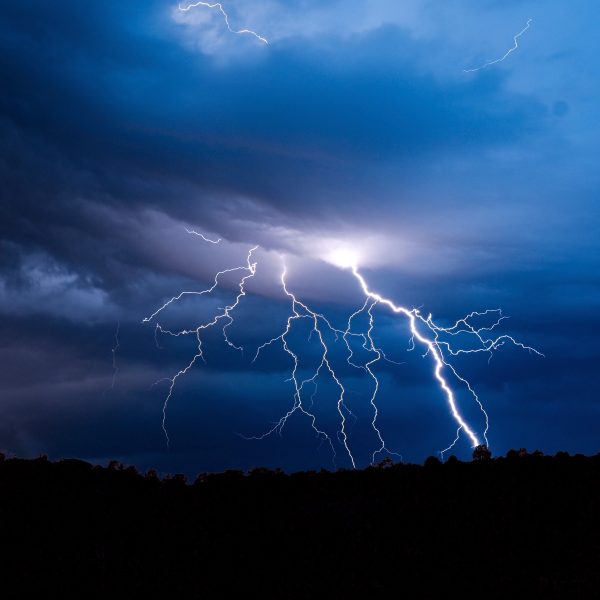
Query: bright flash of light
{"x": 343, "y": 258}
{"x": 434, "y": 339}
{"x": 506, "y": 54}
{"x": 219, "y": 7}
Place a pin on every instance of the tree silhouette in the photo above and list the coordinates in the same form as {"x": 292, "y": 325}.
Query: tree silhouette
{"x": 481, "y": 452}
{"x": 95, "y": 531}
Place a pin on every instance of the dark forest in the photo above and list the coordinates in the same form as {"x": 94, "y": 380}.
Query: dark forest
{"x": 523, "y": 525}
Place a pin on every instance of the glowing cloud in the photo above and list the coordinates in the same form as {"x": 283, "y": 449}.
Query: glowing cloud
{"x": 343, "y": 258}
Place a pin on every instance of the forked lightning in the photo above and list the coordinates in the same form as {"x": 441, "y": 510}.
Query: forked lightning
{"x": 433, "y": 338}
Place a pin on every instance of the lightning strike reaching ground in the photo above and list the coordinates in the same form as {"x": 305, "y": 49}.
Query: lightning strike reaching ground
{"x": 369, "y": 346}
{"x": 434, "y": 347}
{"x": 302, "y": 311}
{"x": 220, "y": 8}
{"x": 506, "y": 54}
{"x": 434, "y": 339}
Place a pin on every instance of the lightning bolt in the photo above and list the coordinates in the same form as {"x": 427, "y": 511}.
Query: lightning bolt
{"x": 438, "y": 343}
{"x": 435, "y": 348}
{"x": 220, "y": 8}
{"x": 299, "y": 311}
{"x": 506, "y": 54}
{"x": 370, "y": 347}
{"x": 223, "y": 317}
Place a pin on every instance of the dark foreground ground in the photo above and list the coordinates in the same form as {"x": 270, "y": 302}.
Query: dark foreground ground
{"x": 523, "y": 526}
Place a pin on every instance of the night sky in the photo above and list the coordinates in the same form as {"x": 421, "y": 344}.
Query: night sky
{"x": 356, "y": 128}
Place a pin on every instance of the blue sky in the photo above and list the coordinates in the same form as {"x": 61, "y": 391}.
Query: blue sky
{"x": 355, "y": 127}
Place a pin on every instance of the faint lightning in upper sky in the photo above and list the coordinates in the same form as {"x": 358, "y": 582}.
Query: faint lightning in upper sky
{"x": 220, "y": 8}
{"x": 506, "y": 54}
{"x": 201, "y": 235}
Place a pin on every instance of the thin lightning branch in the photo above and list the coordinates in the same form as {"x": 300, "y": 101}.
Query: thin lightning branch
{"x": 115, "y": 369}
{"x": 225, "y": 314}
{"x": 369, "y": 346}
{"x": 506, "y": 54}
{"x": 186, "y": 293}
{"x": 114, "y": 354}
{"x": 299, "y": 310}
{"x": 378, "y": 354}
{"x": 201, "y": 235}
{"x": 220, "y": 8}
{"x": 454, "y": 442}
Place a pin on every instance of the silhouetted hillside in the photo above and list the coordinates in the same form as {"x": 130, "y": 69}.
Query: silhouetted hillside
{"x": 523, "y": 526}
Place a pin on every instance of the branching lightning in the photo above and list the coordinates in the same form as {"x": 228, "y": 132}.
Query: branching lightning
{"x": 440, "y": 345}
{"x": 224, "y": 316}
{"x": 435, "y": 348}
{"x": 319, "y": 324}
{"x": 506, "y": 54}
{"x": 220, "y": 8}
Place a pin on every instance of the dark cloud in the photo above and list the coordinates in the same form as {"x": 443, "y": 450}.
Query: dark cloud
{"x": 129, "y": 112}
